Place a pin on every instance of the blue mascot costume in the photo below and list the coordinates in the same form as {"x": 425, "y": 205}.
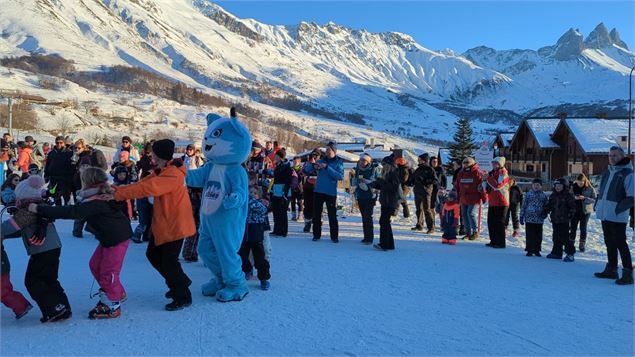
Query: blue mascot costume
{"x": 226, "y": 146}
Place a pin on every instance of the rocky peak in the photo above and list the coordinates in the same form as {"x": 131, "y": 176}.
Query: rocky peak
{"x": 598, "y": 38}
{"x": 616, "y": 39}
{"x": 569, "y": 45}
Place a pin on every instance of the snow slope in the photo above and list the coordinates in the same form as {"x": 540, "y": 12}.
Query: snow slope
{"x": 348, "y": 299}
{"x": 388, "y": 78}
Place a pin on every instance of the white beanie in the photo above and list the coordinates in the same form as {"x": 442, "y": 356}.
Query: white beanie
{"x": 500, "y": 160}
{"x": 31, "y": 188}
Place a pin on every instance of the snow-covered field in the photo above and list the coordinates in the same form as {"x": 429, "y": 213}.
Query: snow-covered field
{"x": 424, "y": 298}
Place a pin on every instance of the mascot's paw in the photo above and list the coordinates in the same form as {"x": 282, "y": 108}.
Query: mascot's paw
{"x": 231, "y": 201}
{"x": 211, "y": 288}
{"x": 232, "y": 294}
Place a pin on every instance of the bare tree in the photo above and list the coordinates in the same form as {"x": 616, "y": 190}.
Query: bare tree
{"x": 64, "y": 124}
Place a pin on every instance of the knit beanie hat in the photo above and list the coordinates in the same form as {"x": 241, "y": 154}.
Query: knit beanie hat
{"x": 31, "y": 188}
{"x": 120, "y": 169}
{"x": 425, "y": 156}
{"x": 366, "y": 158}
{"x": 332, "y": 145}
{"x": 163, "y": 149}
{"x": 499, "y": 160}
{"x": 452, "y": 195}
{"x": 537, "y": 180}
{"x": 281, "y": 153}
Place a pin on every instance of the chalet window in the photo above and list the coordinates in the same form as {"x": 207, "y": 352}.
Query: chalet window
{"x": 529, "y": 168}
{"x": 544, "y": 167}
{"x": 624, "y": 138}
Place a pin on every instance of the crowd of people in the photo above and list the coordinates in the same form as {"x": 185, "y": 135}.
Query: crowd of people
{"x": 73, "y": 180}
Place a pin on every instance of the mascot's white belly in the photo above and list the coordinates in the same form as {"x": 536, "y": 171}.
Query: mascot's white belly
{"x": 214, "y": 190}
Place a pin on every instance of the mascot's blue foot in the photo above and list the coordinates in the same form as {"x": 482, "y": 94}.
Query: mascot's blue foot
{"x": 211, "y": 288}
{"x": 227, "y": 294}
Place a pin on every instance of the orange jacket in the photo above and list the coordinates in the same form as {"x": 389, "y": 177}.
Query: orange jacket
{"x": 172, "y": 217}
{"x": 24, "y": 159}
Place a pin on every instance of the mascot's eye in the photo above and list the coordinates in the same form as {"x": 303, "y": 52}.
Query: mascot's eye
{"x": 216, "y": 133}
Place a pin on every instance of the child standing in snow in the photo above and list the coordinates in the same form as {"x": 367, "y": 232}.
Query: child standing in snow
{"x": 11, "y": 298}
{"x": 43, "y": 244}
{"x": 561, "y": 206}
{"x": 531, "y": 216}
{"x": 121, "y": 177}
{"x": 254, "y": 237}
{"x": 515, "y": 200}
{"x": 112, "y": 230}
{"x": 450, "y": 218}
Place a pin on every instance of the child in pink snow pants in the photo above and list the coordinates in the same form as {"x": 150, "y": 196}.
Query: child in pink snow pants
{"x": 112, "y": 230}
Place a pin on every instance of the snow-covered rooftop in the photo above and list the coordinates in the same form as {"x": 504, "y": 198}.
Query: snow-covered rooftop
{"x": 596, "y": 136}
{"x": 542, "y": 130}
{"x": 507, "y": 138}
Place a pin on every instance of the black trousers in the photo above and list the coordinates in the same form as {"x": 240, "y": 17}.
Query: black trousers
{"x": 424, "y": 211}
{"x": 279, "y": 206}
{"x": 582, "y": 221}
{"x": 366, "y": 207}
{"x": 165, "y": 259}
{"x": 533, "y": 235}
{"x": 319, "y": 199}
{"x": 308, "y": 203}
{"x": 297, "y": 202}
{"x": 262, "y": 264}
{"x": 513, "y": 214}
{"x": 496, "y": 224}
{"x": 63, "y": 190}
{"x": 386, "y": 239}
{"x": 42, "y": 283}
{"x": 615, "y": 241}
{"x": 561, "y": 239}
{"x": 434, "y": 197}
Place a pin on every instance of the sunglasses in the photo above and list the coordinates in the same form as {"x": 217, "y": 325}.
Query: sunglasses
{"x": 125, "y": 142}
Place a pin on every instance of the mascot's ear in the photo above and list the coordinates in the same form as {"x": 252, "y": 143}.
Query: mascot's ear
{"x": 211, "y": 117}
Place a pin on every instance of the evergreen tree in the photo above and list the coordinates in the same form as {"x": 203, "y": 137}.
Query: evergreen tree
{"x": 463, "y": 145}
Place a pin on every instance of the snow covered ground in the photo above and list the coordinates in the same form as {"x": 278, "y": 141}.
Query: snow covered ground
{"x": 424, "y": 298}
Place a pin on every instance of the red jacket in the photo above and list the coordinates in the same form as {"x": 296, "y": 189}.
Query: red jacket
{"x": 468, "y": 185}
{"x": 498, "y": 188}
{"x": 24, "y": 159}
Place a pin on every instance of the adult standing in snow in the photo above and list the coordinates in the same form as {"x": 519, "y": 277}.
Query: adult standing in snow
{"x": 37, "y": 154}
{"x": 515, "y": 201}
{"x": 389, "y": 198}
{"x": 405, "y": 171}
{"x": 126, "y": 145}
{"x": 280, "y": 196}
{"x": 363, "y": 178}
{"x": 497, "y": 188}
{"x": 59, "y": 171}
{"x": 584, "y": 195}
{"x": 309, "y": 177}
{"x": 423, "y": 180}
{"x": 468, "y": 186}
{"x": 614, "y": 200}
{"x": 192, "y": 161}
{"x": 330, "y": 171}
{"x": 442, "y": 182}
{"x": 85, "y": 156}
{"x": 297, "y": 199}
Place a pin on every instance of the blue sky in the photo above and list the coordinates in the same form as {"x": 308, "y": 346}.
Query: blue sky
{"x": 458, "y": 25}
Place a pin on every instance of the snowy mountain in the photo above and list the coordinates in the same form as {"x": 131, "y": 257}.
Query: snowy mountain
{"x": 385, "y": 81}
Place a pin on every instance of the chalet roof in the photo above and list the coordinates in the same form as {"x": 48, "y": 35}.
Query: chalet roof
{"x": 542, "y": 129}
{"x": 596, "y": 136}
{"x": 507, "y": 138}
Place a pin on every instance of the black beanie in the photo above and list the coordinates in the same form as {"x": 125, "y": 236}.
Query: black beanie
{"x": 163, "y": 149}
{"x": 282, "y": 153}
{"x": 332, "y": 145}
{"x": 425, "y": 156}
{"x": 537, "y": 180}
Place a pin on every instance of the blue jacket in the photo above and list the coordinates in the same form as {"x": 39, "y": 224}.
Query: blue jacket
{"x": 329, "y": 176}
{"x": 533, "y": 207}
{"x": 257, "y": 221}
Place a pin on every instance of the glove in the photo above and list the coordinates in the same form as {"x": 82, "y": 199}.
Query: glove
{"x": 363, "y": 186}
{"x": 522, "y": 220}
{"x": 39, "y": 236}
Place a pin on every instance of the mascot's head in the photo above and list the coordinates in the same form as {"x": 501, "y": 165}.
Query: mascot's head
{"x": 227, "y": 140}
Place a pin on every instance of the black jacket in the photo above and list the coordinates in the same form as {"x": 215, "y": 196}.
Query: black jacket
{"x": 144, "y": 166}
{"x": 90, "y": 157}
{"x": 515, "y": 195}
{"x": 59, "y": 165}
{"x": 560, "y": 206}
{"x": 442, "y": 179}
{"x": 423, "y": 180}
{"x": 389, "y": 185}
{"x": 282, "y": 176}
{"x": 110, "y": 224}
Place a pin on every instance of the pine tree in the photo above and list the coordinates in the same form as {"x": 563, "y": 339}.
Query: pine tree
{"x": 463, "y": 145}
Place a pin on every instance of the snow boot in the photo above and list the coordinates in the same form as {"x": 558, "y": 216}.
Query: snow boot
{"x": 515, "y": 234}
{"x": 452, "y": 241}
{"x": 444, "y": 241}
{"x": 103, "y": 311}
{"x": 55, "y": 312}
{"x": 178, "y": 305}
{"x": 568, "y": 258}
{"x": 430, "y": 230}
{"x": 553, "y": 256}
{"x": 581, "y": 248}
{"x": 416, "y": 228}
{"x": 474, "y": 236}
{"x": 294, "y": 216}
{"x": 307, "y": 227}
{"x": 529, "y": 254}
{"x": 626, "y": 279}
{"x": 26, "y": 311}
{"x": 608, "y": 273}
{"x": 264, "y": 284}
{"x": 379, "y": 247}
{"x": 538, "y": 254}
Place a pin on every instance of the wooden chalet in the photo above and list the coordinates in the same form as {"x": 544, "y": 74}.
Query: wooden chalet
{"x": 532, "y": 150}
